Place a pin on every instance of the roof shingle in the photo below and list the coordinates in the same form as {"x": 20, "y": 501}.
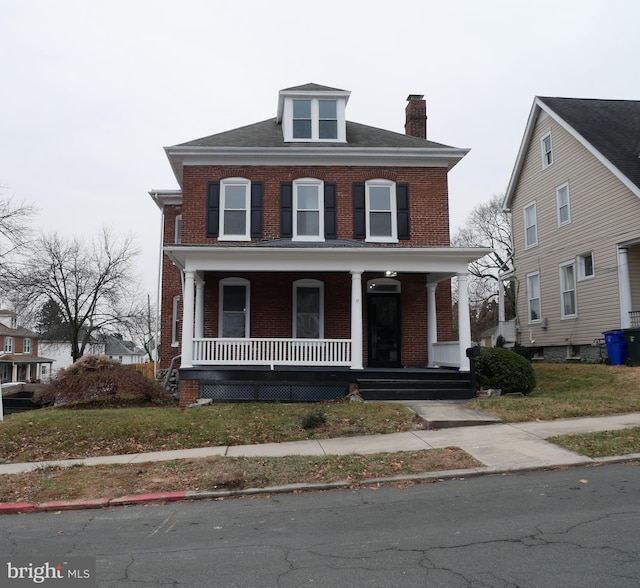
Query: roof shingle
{"x": 611, "y": 126}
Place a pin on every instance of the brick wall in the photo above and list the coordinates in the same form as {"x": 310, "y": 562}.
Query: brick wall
{"x": 271, "y": 312}
{"x": 428, "y": 198}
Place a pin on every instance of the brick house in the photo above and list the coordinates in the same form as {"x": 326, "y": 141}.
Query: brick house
{"x": 307, "y": 253}
{"x": 19, "y": 360}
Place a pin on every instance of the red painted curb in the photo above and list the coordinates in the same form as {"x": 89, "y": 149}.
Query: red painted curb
{"x": 155, "y": 497}
{"x": 72, "y": 504}
{"x": 16, "y": 507}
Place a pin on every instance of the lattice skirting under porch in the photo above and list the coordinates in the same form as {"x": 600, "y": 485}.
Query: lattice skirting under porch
{"x": 246, "y": 391}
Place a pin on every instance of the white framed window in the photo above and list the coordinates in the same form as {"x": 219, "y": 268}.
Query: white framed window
{"x": 26, "y": 346}
{"x": 235, "y": 210}
{"x": 314, "y": 119}
{"x": 381, "y": 211}
{"x": 9, "y": 344}
{"x": 547, "y": 150}
{"x": 533, "y": 297}
{"x": 562, "y": 201}
{"x": 586, "y": 266}
{"x": 175, "y": 321}
{"x": 327, "y": 119}
{"x": 307, "y": 118}
{"x": 233, "y": 319}
{"x": 177, "y": 233}
{"x": 530, "y": 225}
{"x": 308, "y": 309}
{"x": 308, "y": 206}
{"x": 568, "y": 302}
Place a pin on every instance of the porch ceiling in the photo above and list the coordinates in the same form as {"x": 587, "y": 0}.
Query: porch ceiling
{"x": 439, "y": 262}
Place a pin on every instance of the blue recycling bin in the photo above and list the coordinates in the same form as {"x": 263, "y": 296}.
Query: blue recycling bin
{"x": 617, "y": 348}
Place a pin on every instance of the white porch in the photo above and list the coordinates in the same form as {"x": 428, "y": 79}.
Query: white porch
{"x": 437, "y": 264}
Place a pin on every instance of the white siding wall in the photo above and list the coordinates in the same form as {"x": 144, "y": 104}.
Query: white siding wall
{"x": 603, "y": 213}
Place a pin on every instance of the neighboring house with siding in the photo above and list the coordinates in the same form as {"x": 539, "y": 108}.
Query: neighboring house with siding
{"x": 124, "y": 352}
{"x": 305, "y": 254}
{"x": 574, "y": 197}
{"x": 19, "y": 348}
{"x": 56, "y": 343}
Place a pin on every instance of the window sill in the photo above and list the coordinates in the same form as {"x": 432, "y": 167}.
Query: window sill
{"x": 234, "y": 238}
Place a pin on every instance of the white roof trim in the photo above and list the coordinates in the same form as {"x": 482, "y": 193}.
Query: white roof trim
{"x": 444, "y": 261}
{"x": 538, "y": 105}
{"x": 164, "y": 198}
{"x": 291, "y": 155}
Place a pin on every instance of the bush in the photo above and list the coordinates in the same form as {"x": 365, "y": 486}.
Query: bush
{"x": 100, "y": 381}
{"x": 526, "y": 352}
{"x": 313, "y": 419}
{"x": 502, "y": 368}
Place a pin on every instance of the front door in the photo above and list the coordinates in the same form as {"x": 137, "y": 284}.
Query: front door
{"x": 384, "y": 330}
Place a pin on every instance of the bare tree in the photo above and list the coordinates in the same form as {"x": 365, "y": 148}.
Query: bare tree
{"x": 91, "y": 281}
{"x": 14, "y": 224}
{"x": 488, "y": 225}
{"x": 143, "y": 327}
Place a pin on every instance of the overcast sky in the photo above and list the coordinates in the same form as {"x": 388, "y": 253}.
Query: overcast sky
{"x": 92, "y": 90}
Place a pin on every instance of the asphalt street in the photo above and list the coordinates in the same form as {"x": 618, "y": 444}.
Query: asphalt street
{"x": 569, "y": 527}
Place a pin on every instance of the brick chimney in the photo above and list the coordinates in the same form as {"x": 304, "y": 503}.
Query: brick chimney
{"x": 416, "y": 116}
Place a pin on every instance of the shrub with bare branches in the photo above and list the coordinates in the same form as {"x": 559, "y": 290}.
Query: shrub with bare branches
{"x": 96, "y": 380}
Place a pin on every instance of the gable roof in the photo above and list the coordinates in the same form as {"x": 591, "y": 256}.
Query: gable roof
{"x": 116, "y": 346}
{"x": 311, "y": 87}
{"x": 608, "y": 129}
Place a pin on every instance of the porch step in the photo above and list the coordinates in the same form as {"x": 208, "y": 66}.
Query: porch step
{"x": 453, "y": 386}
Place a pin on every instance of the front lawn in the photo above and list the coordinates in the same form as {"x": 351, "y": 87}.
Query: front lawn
{"x": 570, "y": 390}
{"x": 54, "y": 434}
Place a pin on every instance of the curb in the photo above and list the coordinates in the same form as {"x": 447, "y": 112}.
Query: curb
{"x": 185, "y": 495}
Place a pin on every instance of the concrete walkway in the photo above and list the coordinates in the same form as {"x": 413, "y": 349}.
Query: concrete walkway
{"x": 500, "y": 447}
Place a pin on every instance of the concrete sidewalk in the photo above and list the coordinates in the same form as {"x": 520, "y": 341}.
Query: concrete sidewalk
{"x": 500, "y": 447}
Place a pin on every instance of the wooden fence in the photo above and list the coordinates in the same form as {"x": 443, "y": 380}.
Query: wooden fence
{"x": 146, "y": 369}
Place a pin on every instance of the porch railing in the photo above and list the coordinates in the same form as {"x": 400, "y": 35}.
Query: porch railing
{"x": 303, "y": 352}
{"x": 446, "y": 354}
{"x": 634, "y": 315}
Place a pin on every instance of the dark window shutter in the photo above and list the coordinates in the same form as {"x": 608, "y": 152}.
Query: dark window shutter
{"x": 359, "y": 212}
{"x": 402, "y": 206}
{"x": 286, "y": 210}
{"x": 330, "y": 229}
{"x": 256, "y": 210}
{"x": 213, "y": 209}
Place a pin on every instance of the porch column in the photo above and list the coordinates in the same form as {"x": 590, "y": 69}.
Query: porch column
{"x": 14, "y": 372}
{"x": 199, "y": 326}
{"x": 624, "y": 285}
{"x": 501, "y": 313}
{"x": 464, "y": 321}
{"x": 187, "y": 320}
{"x": 432, "y": 322}
{"x": 356, "y": 320}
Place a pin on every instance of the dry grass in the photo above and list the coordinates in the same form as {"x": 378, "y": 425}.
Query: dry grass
{"x": 221, "y": 473}
{"x": 49, "y": 434}
{"x": 570, "y": 390}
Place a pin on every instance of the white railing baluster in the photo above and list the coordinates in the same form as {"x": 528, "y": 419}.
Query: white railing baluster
{"x": 276, "y": 351}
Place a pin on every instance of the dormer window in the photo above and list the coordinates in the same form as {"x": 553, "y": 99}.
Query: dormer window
{"x": 328, "y": 119}
{"x": 315, "y": 119}
{"x": 313, "y": 114}
{"x": 302, "y": 119}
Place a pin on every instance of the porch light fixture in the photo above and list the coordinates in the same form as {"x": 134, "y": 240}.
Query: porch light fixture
{"x": 390, "y": 274}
